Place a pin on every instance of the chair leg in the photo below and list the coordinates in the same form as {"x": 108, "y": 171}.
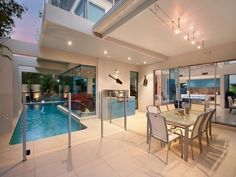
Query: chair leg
{"x": 192, "y": 149}
{"x": 207, "y": 137}
{"x": 167, "y": 154}
{"x": 182, "y": 148}
{"x": 200, "y": 143}
{"x": 169, "y": 145}
{"x": 210, "y": 130}
{"x": 150, "y": 141}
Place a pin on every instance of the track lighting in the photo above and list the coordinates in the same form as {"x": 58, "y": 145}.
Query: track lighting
{"x": 174, "y": 25}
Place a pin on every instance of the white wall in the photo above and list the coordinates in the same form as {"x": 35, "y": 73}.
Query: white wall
{"x": 106, "y": 67}
{"x": 6, "y": 95}
{"x": 145, "y": 93}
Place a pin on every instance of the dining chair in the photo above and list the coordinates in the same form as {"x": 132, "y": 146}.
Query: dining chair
{"x": 163, "y": 108}
{"x": 195, "y": 132}
{"x": 207, "y": 126}
{"x": 171, "y": 107}
{"x": 158, "y": 130}
{"x": 204, "y": 126}
{"x": 152, "y": 109}
{"x": 197, "y": 107}
{"x": 231, "y": 104}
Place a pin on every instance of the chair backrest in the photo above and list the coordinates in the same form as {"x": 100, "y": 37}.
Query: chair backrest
{"x": 158, "y": 127}
{"x": 205, "y": 121}
{"x": 230, "y": 100}
{"x": 171, "y": 107}
{"x": 212, "y": 112}
{"x": 197, "y": 125}
{"x": 198, "y": 107}
{"x": 152, "y": 109}
{"x": 163, "y": 108}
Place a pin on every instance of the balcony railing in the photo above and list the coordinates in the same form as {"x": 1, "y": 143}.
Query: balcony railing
{"x": 92, "y": 10}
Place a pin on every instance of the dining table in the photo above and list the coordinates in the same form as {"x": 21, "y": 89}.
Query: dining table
{"x": 184, "y": 121}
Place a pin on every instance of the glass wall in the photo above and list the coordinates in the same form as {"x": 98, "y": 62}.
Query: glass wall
{"x": 211, "y": 84}
{"x": 81, "y": 82}
{"x": 226, "y": 72}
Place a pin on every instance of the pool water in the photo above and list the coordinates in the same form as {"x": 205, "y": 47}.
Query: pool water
{"x": 44, "y": 120}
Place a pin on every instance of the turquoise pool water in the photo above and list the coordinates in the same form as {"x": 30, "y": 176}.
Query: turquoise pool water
{"x": 44, "y": 120}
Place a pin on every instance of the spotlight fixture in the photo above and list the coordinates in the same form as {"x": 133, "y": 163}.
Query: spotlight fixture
{"x": 193, "y": 40}
{"x": 198, "y": 46}
{"x": 69, "y": 43}
{"x": 186, "y": 37}
{"x": 117, "y": 71}
{"x": 105, "y": 52}
{"x": 177, "y": 31}
{"x": 144, "y": 62}
{"x": 129, "y": 58}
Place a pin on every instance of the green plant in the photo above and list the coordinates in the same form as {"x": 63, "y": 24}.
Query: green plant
{"x": 48, "y": 83}
{"x": 9, "y": 9}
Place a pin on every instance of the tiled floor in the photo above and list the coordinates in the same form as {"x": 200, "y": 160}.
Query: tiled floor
{"x": 120, "y": 153}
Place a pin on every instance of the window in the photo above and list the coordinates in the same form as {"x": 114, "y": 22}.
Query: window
{"x": 95, "y": 12}
{"x": 80, "y": 9}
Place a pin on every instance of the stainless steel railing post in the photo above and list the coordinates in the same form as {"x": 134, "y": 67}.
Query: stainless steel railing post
{"x": 125, "y": 111}
{"x": 69, "y": 121}
{"x": 101, "y": 112}
{"x": 24, "y": 128}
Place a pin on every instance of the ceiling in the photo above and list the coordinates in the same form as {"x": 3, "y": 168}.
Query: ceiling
{"x": 144, "y": 37}
{"x": 212, "y": 21}
{"x": 57, "y": 36}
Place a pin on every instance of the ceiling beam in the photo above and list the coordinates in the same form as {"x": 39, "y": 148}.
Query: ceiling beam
{"x": 123, "y": 20}
{"x": 138, "y": 49}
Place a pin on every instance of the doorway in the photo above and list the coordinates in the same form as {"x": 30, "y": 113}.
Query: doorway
{"x": 134, "y": 86}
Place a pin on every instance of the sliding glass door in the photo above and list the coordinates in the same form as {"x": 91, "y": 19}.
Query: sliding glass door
{"x": 211, "y": 84}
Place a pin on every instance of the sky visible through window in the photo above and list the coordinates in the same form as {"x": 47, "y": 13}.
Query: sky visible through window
{"x": 27, "y": 27}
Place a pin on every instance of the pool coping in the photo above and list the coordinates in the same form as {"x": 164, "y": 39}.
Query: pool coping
{"x": 64, "y": 109}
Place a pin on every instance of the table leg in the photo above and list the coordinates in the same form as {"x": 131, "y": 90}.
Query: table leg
{"x": 186, "y": 144}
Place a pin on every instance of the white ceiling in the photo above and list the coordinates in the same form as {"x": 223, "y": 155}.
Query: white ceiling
{"x": 212, "y": 21}
{"x": 56, "y": 36}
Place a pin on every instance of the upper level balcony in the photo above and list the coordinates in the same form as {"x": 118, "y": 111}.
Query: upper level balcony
{"x": 92, "y": 10}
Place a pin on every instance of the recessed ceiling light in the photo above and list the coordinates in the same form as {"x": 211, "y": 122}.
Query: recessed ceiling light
{"x": 144, "y": 62}
{"x": 193, "y": 42}
{"x": 105, "y": 52}
{"x": 185, "y": 37}
{"x": 69, "y": 43}
{"x": 177, "y": 31}
{"x": 198, "y": 47}
{"x": 129, "y": 58}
